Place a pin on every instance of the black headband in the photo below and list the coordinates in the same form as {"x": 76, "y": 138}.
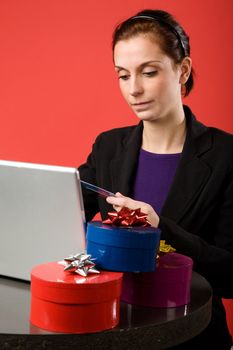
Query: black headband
{"x": 158, "y": 19}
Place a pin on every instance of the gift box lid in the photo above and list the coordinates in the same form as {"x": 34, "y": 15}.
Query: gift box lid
{"x": 127, "y": 237}
{"x": 50, "y": 282}
{"x": 174, "y": 261}
{"x": 170, "y": 268}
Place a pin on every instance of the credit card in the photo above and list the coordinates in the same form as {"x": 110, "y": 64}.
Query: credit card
{"x": 101, "y": 191}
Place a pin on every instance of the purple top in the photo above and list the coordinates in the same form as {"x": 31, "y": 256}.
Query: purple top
{"x": 154, "y": 176}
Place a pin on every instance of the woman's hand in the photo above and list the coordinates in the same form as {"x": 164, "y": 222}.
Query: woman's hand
{"x": 120, "y": 201}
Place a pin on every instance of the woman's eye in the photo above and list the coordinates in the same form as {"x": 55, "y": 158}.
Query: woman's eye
{"x": 150, "y": 73}
{"x": 123, "y": 77}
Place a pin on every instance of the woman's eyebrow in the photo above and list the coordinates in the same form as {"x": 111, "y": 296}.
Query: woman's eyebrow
{"x": 119, "y": 68}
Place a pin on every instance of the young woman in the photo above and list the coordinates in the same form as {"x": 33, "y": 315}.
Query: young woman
{"x": 174, "y": 168}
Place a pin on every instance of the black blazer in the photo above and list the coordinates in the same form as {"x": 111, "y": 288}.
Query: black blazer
{"x": 197, "y": 216}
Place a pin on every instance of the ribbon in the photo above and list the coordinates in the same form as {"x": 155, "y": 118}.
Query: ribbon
{"x": 164, "y": 248}
{"x": 127, "y": 217}
{"x": 81, "y": 264}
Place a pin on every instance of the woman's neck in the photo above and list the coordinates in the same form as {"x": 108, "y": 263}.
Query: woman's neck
{"x": 165, "y": 135}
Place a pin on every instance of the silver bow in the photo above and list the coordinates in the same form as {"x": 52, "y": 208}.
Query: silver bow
{"x": 81, "y": 264}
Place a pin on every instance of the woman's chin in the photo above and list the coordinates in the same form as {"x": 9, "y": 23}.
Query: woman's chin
{"x": 145, "y": 116}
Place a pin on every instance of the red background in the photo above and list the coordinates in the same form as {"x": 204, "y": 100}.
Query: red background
{"x": 58, "y": 88}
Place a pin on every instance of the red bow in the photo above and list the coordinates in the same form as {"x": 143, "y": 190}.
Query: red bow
{"x": 127, "y": 217}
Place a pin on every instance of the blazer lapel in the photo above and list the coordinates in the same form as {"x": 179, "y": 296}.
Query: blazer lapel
{"x": 192, "y": 172}
{"x": 123, "y": 168}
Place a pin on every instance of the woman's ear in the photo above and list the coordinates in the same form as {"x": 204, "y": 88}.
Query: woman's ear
{"x": 186, "y": 67}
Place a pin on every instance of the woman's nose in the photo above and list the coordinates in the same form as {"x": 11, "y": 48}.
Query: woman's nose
{"x": 136, "y": 87}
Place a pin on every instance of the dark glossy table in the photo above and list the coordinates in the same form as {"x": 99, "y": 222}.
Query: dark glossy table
{"x": 139, "y": 327}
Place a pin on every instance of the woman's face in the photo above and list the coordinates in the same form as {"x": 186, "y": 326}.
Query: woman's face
{"x": 149, "y": 80}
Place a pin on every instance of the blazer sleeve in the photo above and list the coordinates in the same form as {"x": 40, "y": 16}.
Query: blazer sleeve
{"x": 213, "y": 261}
{"x": 87, "y": 172}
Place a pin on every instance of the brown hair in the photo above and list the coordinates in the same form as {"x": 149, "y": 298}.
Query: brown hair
{"x": 172, "y": 37}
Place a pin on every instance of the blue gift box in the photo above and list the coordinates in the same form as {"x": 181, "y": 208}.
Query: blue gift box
{"x": 123, "y": 249}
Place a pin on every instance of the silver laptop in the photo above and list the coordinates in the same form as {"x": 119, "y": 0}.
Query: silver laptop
{"x": 41, "y": 216}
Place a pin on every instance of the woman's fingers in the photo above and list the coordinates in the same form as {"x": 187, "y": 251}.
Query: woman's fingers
{"x": 118, "y": 194}
{"x": 120, "y": 201}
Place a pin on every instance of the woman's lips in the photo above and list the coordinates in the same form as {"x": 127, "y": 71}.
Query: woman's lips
{"x": 140, "y": 106}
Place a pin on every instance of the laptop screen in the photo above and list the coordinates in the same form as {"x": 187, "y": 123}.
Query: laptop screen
{"x": 41, "y": 216}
